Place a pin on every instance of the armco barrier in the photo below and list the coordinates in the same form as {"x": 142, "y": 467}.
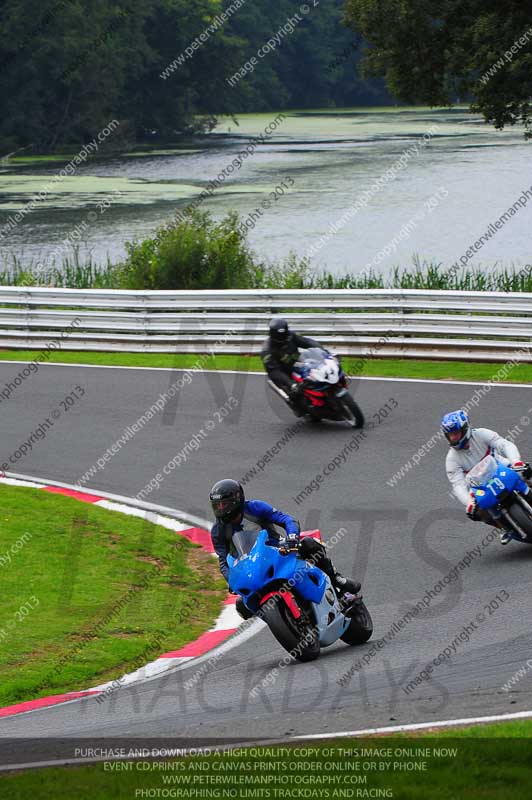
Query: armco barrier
{"x": 407, "y": 323}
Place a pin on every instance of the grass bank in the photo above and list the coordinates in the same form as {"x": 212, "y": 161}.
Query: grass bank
{"x": 384, "y": 368}
{"x": 486, "y": 763}
{"x": 89, "y": 594}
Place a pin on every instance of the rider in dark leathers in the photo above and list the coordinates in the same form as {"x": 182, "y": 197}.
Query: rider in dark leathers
{"x": 279, "y": 354}
{"x": 232, "y": 510}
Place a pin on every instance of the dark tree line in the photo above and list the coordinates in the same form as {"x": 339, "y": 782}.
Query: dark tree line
{"x": 69, "y": 66}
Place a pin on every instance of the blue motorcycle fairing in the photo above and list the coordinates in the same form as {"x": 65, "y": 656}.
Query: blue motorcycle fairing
{"x": 264, "y": 564}
{"x": 253, "y": 571}
{"x": 504, "y": 479}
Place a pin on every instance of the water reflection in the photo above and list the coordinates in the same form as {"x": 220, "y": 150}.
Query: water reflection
{"x": 329, "y": 158}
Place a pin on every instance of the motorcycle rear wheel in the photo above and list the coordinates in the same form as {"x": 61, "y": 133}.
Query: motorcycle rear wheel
{"x": 361, "y": 626}
{"x": 287, "y": 631}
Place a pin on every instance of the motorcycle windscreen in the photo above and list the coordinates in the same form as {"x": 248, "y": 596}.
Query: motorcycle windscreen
{"x": 497, "y": 484}
{"x": 482, "y": 472}
{"x": 310, "y": 358}
{"x": 248, "y": 572}
{"x": 319, "y": 366}
{"x": 314, "y": 356}
{"x": 244, "y": 541}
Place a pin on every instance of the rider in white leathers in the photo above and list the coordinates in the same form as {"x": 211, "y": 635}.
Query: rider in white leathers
{"x": 468, "y": 446}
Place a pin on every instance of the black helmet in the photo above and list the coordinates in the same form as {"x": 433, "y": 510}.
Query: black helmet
{"x": 227, "y": 499}
{"x": 279, "y": 330}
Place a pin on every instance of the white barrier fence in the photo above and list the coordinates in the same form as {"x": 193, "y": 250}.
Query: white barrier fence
{"x": 406, "y": 323}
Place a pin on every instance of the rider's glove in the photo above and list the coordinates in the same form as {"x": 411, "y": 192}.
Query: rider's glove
{"x": 472, "y": 509}
{"x": 289, "y": 544}
{"x": 523, "y": 468}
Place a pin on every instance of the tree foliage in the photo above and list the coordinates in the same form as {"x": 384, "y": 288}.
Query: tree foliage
{"x": 67, "y": 67}
{"x": 440, "y": 51}
{"x": 313, "y": 67}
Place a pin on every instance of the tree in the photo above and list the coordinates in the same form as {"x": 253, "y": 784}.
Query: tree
{"x": 442, "y": 51}
{"x": 161, "y": 67}
{"x": 68, "y": 67}
{"x": 313, "y": 66}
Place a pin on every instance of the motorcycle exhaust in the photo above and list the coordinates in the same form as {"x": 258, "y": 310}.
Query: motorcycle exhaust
{"x": 278, "y": 390}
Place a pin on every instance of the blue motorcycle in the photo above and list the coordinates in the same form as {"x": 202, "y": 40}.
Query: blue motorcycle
{"x": 295, "y": 598}
{"x": 501, "y": 490}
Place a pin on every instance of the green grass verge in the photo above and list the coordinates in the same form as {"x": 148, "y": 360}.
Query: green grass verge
{"x": 391, "y": 368}
{"x": 459, "y": 766}
{"x": 521, "y": 729}
{"x": 103, "y": 593}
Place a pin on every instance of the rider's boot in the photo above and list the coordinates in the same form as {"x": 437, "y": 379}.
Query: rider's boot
{"x": 345, "y": 585}
{"x": 315, "y": 551}
{"x": 505, "y": 534}
{"x": 341, "y": 584}
{"x": 505, "y": 537}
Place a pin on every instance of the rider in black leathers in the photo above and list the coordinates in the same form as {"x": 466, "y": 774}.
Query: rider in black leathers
{"x": 279, "y": 354}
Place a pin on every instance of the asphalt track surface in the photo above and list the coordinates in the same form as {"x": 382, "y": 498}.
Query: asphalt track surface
{"x": 400, "y": 542}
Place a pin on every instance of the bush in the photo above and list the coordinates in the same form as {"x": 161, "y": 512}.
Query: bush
{"x": 196, "y": 253}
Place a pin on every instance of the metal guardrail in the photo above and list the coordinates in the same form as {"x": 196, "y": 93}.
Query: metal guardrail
{"x": 405, "y": 323}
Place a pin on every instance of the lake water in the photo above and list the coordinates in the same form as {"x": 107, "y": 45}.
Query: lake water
{"x": 440, "y": 198}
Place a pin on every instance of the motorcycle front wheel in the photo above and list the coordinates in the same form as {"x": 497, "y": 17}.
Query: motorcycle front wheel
{"x": 302, "y": 644}
{"x": 352, "y": 411}
{"x": 521, "y": 519}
